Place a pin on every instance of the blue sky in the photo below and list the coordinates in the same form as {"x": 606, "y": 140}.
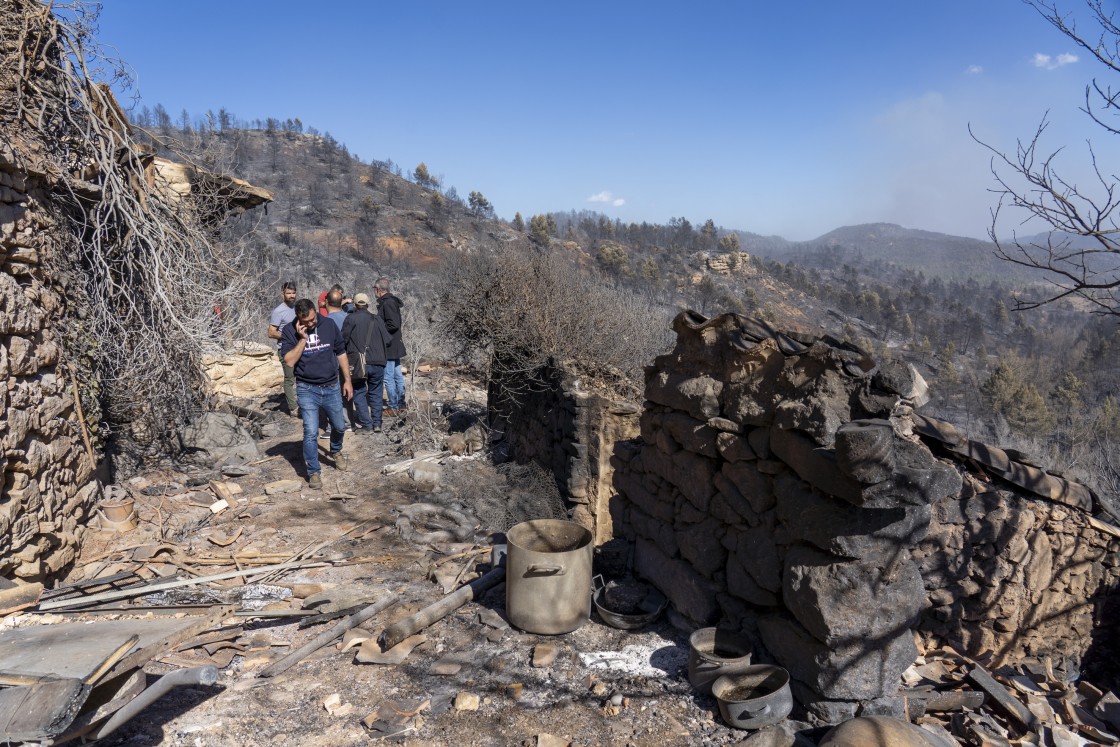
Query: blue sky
{"x": 788, "y": 118}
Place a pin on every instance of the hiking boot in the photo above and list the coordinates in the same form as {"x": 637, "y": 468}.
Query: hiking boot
{"x": 314, "y": 481}
{"x": 376, "y": 429}
{"x": 341, "y": 463}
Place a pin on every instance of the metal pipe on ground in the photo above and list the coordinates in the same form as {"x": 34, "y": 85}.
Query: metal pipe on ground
{"x": 196, "y": 676}
{"x": 402, "y": 629}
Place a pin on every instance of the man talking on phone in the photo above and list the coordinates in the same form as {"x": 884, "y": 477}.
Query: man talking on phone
{"x": 313, "y": 346}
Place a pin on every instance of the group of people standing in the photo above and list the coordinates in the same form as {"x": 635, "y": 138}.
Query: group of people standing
{"x": 336, "y": 350}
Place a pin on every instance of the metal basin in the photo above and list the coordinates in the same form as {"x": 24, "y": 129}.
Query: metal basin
{"x": 756, "y": 697}
{"x": 627, "y": 616}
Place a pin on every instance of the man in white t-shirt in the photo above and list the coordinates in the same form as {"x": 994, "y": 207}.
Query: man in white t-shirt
{"x": 281, "y": 316}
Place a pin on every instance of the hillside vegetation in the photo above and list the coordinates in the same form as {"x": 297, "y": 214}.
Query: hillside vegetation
{"x": 1043, "y": 381}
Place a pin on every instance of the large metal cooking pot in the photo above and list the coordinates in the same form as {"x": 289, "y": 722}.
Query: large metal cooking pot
{"x": 548, "y": 576}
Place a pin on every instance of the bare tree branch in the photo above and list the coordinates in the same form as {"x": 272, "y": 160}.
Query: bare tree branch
{"x": 1079, "y": 255}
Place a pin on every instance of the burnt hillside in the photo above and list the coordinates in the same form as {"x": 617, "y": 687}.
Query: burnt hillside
{"x": 1041, "y": 379}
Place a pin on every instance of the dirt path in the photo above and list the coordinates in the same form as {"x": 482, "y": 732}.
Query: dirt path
{"x": 605, "y": 686}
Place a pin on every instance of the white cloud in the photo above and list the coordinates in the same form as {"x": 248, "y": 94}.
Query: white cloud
{"x": 607, "y": 198}
{"x": 1046, "y": 62}
{"x": 974, "y": 70}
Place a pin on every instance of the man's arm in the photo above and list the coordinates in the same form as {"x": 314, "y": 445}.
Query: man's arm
{"x": 292, "y": 355}
{"x": 291, "y": 358}
{"x": 344, "y": 372}
{"x": 274, "y": 332}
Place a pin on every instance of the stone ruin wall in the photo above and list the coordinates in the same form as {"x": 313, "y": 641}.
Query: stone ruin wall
{"x": 784, "y": 486}
{"x": 47, "y": 484}
{"x": 569, "y": 431}
{"x": 48, "y": 476}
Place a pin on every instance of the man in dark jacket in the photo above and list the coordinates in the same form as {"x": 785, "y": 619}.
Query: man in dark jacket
{"x": 314, "y": 348}
{"x": 389, "y": 309}
{"x": 365, "y": 333}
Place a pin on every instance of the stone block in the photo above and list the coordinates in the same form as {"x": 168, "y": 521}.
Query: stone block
{"x": 725, "y": 426}
{"x": 650, "y": 425}
{"x": 840, "y": 600}
{"x": 812, "y": 415}
{"x": 734, "y": 447}
{"x": 634, "y": 490}
{"x": 758, "y": 553}
{"x": 61, "y": 558}
{"x": 741, "y": 584}
{"x": 24, "y": 527}
{"x": 700, "y": 545}
{"x": 759, "y": 441}
{"x": 840, "y": 528}
{"x": 754, "y": 487}
{"x": 665, "y": 443}
{"x": 723, "y": 508}
{"x": 15, "y": 428}
{"x": 894, "y": 377}
{"x": 884, "y": 725}
{"x": 752, "y": 391}
{"x": 692, "y": 474}
{"x": 1040, "y": 568}
{"x": 813, "y": 464}
{"x": 856, "y": 670}
{"x": 693, "y": 435}
{"x": 221, "y": 437}
{"x": 689, "y": 514}
{"x": 659, "y": 532}
{"x": 917, "y": 478}
{"x": 698, "y": 396}
{"x": 865, "y": 450}
{"x": 690, "y": 594}
{"x": 20, "y": 316}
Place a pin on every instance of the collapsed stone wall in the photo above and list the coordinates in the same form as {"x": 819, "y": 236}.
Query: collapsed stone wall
{"x": 783, "y": 485}
{"x": 552, "y": 418}
{"x": 48, "y": 476}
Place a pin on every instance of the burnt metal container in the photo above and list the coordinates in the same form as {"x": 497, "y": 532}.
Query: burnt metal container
{"x": 713, "y": 652}
{"x": 756, "y": 697}
{"x": 548, "y": 576}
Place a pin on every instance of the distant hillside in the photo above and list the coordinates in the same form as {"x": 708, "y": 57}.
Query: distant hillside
{"x": 934, "y": 254}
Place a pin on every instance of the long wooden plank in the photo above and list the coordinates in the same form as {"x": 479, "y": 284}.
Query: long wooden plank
{"x": 109, "y": 596}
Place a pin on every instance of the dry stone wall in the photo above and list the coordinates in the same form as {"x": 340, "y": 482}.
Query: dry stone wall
{"x": 48, "y": 476}
{"x": 557, "y": 422}
{"x": 783, "y": 485}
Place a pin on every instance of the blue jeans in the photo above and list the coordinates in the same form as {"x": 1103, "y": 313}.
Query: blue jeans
{"x": 394, "y": 384}
{"x": 312, "y": 398}
{"x": 367, "y": 396}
